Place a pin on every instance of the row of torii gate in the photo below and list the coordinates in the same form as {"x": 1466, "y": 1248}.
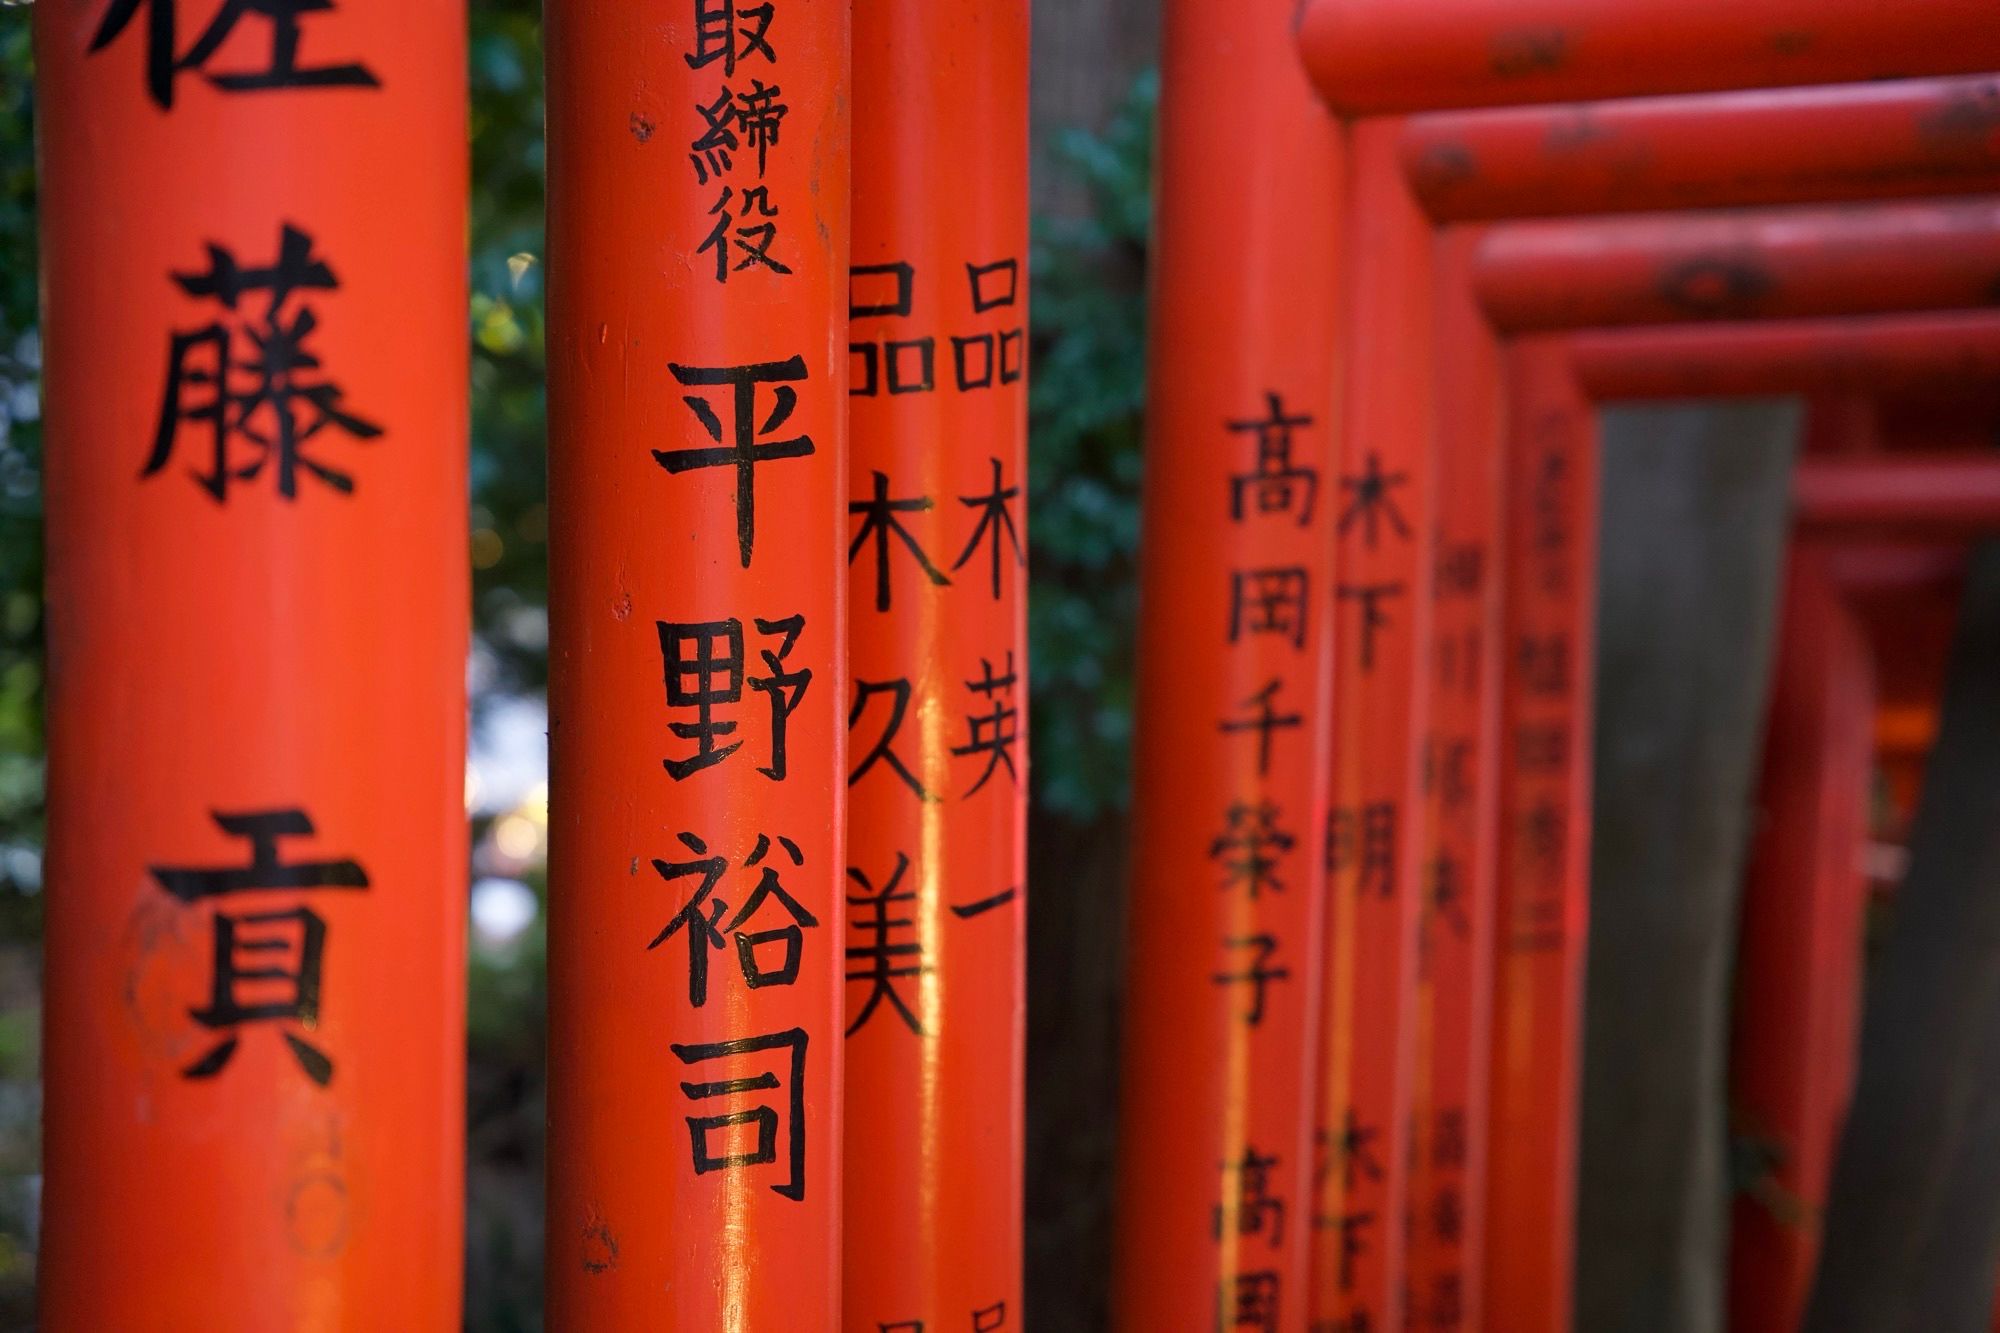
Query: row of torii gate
{"x": 787, "y": 345}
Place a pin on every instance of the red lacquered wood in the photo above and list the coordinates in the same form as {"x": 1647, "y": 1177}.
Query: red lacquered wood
{"x": 1904, "y": 138}
{"x": 1796, "y": 263}
{"x": 1383, "y": 506}
{"x": 937, "y": 598}
{"x": 698, "y": 690}
{"x": 1799, "y": 957}
{"x": 1545, "y": 812}
{"x": 1447, "y": 1190}
{"x": 1214, "y": 1207}
{"x": 254, "y": 304}
{"x": 1823, "y": 356}
{"x": 1372, "y": 57}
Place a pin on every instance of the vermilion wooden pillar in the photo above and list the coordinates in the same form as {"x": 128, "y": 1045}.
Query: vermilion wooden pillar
{"x": 1382, "y": 610}
{"x": 1215, "y": 1203}
{"x": 698, "y": 251}
{"x": 1447, "y": 1189}
{"x": 1545, "y": 807}
{"x": 1799, "y": 955}
{"x": 257, "y": 587}
{"x": 937, "y": 598}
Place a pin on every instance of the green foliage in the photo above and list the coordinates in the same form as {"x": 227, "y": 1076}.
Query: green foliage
{"x": 510, "y": 517}
{"x": 1085, "y": 406}
{"x": 20, "y": 479}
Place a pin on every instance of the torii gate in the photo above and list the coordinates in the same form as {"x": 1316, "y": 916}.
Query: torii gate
{"x": 1367, "y": 58}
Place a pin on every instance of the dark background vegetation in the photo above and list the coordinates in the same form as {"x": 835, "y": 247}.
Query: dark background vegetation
{"x": 1093, "y": 128}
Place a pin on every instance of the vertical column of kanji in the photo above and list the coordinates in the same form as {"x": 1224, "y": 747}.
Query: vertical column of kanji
{"x": 698, "y": 248}
{"x": 937, "y": 602}
{"x": 1374, "y": 851}
{"x": 254, "y": 231}
{"x": 1214, "y": 1179}
{"x": 1540, "y": 930}
{"x": 1461, "y": 767}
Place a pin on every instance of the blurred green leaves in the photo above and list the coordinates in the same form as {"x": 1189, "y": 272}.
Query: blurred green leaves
{"x": 1086, "y": 401}
{"x": 20, "y": 478}
{"x": 510, "y": 517}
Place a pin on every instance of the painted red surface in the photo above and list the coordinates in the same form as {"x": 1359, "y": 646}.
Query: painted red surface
{"x": 258, "y": 601}
{"x": 1370, "y": 57}
{"x": 1384, "y": 506}
{"x": 1214, "y": 1205}
{"x": 937, "y": 598}
{"x": 1903, "y": 138}
{"x": 1545, "y": 814}
{"x": 1795, "y": 263}
{"x": 698, "y": 394}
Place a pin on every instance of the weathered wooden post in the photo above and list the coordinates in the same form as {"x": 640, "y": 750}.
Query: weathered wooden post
{"x": 1215, "y": 1204}
{"x": 937, "y": 597}
{"x": 1693, "y": 516}
{"x": 254, "y": 269}
{"x": 698, "y": 252}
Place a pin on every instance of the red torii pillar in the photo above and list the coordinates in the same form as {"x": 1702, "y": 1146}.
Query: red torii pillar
{"x": 1548, "y": 651}
{"x": 1856, "y": 141}
{"x": 698, "y": 702}
{"x": 1480, "y": 167}
{"x": 1215, "y": 1202}
{"x": 1546, "y": 275}
{"x": 1810, "y": 262}
{"x": 1899, "y": 493}
{"x": 1453, "y": 1027}
{"x": 1799, "y": 969}
{"x": 1371, "y": 57}
{"x": 1383, "y": 557}
{"x": 258, "y": 601}
{"x": 937, "y": 599}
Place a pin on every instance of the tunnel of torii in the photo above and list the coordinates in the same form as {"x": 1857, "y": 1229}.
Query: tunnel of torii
{"x": 1405, "y": 251}
{"x": 1427, "y": 968}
